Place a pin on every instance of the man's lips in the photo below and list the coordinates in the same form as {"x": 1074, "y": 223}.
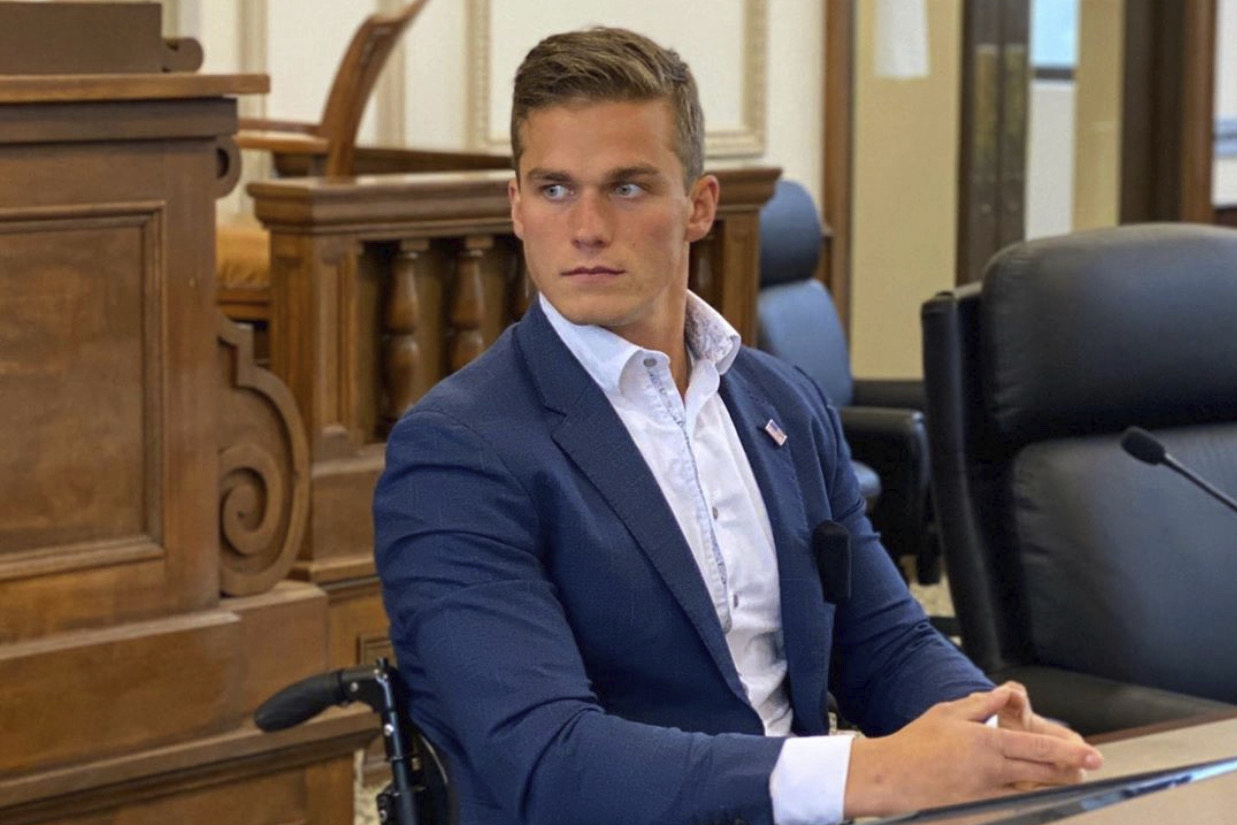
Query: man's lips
{"x": 593, "y": 270}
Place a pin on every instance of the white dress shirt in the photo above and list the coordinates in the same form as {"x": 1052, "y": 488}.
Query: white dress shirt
{"x": 691, "y": 445}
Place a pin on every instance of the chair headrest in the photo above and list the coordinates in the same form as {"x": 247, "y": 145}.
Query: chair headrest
{"x": 1097, "y": 330}
{"x": 790, "y": 235}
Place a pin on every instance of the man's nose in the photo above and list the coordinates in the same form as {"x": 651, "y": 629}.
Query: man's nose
{"x": 591, "y": 220}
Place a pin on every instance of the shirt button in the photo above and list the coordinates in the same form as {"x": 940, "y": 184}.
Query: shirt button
{"x": 650, "y": 362}
{"x": 715, "y": 513}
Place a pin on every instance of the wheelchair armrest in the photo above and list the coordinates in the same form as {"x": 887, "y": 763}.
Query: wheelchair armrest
{"x": 1092, "y": 704}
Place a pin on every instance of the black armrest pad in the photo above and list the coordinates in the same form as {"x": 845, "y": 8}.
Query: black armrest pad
{"x": 894, "y": 442}
{"x": 908, "y": 393}
{"x": 884, "y": 422}
{"x": 1091, "y": 704}
{"x": 892, "y": 434}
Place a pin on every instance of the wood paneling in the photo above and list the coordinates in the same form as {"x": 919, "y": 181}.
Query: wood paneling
{"x": 242, "y": 776}
{"x": 839, "y": 131}
{"x": 284, "y": 638}
{"x": 80, "y": 38}
{"x": 992, "y": 154}
{"x": 113, "y": 346}
{"x": 1168, "y": 116}
{"x": 164, "y": 680}
{"x": 88, "y": 321}
{"x": 147, "y": 468}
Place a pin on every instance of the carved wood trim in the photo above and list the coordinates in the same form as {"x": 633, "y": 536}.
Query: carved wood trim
{"x": 263, "y": 471}
{"x": 227, "y": 166}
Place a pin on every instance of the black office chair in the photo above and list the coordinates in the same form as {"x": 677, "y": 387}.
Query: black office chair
{"x": 1107, "y": 586}
{"x": 881, "y": 418}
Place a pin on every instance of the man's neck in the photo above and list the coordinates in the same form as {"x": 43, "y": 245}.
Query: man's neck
{"x": 670, "y": 339}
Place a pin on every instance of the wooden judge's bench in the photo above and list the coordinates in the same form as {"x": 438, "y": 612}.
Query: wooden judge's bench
{"x": 153, "y": 482}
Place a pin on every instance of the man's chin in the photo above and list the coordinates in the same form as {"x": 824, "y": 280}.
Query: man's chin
{"x": 586, "y": 313}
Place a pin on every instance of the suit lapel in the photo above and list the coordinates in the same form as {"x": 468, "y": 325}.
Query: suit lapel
{"x": 805, "y": 631}
{"x": 594, "y": 437}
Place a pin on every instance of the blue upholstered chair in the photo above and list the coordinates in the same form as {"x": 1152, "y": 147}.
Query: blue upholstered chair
{"x": 881, "y": 419}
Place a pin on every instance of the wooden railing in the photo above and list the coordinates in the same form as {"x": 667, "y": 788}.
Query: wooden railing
{"x": 382, "y": 286}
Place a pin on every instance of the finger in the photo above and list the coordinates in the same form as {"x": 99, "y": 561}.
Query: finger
{"x": 1047, "y": 727}
{"x": 1017, "y": 713}
{"x": 1049, "y": 750}
{"x": 1022, "y": 775}
{"x": 979, "y": 706}
{"x": 1017, "y": 687}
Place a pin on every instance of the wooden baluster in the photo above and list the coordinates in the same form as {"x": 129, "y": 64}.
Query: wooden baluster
{"x": 401, "y": 362}
{"x": 468, "y": 302}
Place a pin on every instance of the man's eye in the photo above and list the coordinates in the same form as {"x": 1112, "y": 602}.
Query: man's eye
{"x": 554, "y": 191}
{"x": 628, "y": 190}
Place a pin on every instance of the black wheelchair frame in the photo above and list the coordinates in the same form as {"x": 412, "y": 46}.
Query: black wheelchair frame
{"x": 418, "y": 793}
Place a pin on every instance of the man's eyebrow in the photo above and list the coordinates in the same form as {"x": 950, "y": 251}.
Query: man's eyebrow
{"x": 628, "y": 172}
{"x": 548, "y": 176}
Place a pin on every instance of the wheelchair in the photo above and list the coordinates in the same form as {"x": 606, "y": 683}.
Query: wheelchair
{"x": 418, "y": 793}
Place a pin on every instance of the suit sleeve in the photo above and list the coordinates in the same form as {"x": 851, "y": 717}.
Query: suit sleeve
{"x": 484, "y": 643}
{"x": 889, "y": 664}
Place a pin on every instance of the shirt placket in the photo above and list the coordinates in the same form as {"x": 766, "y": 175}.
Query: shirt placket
{"x": 713, "y": 564}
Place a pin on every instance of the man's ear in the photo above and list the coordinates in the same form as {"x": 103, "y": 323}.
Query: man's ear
{"x": 513, "y": 195}
{"x": 704, "y": 196}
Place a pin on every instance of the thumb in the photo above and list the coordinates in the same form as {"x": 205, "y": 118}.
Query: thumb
{"x": 978, "y": 707}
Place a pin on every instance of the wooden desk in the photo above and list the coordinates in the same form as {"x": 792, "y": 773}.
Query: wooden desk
{"x": 1161, "y": 747}
{"x": 1167, "y": 746}
{"x": 1209, "y": 800}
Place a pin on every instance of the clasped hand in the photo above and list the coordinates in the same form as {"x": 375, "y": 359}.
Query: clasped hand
{"x": 950, "y": 755}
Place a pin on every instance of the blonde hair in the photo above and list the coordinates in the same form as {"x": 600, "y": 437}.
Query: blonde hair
{"x": 604, "y": 65}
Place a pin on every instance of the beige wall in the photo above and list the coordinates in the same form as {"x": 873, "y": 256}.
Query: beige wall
{"x": 1097, "y": 114}
{"x": 298, "y": 42}
{"x": 905, "y": 194}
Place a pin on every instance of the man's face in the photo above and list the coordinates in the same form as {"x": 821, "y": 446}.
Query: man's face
{"x": 606, "y": 222}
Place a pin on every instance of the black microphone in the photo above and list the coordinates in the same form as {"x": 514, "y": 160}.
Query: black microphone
{"x": 1146, "y": 448}
{"x": 831, "y": 546}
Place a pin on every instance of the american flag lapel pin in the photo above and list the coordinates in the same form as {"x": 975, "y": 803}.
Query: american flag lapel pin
{"x": 775, "y": 432}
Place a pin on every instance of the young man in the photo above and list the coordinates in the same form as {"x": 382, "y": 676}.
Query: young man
{"x": 595, "y": 540}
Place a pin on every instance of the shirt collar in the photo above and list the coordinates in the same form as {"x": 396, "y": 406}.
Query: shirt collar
{"x": 605, "y": 355}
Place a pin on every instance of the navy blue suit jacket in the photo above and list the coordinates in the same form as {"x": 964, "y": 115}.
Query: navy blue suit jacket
{"x": 560, "y": 645}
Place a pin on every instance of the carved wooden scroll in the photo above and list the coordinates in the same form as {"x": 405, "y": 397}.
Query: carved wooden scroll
{"x": 263, "y": 470}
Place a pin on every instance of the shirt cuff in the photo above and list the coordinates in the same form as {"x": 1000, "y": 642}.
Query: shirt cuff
{"x": 808, "y": 783}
